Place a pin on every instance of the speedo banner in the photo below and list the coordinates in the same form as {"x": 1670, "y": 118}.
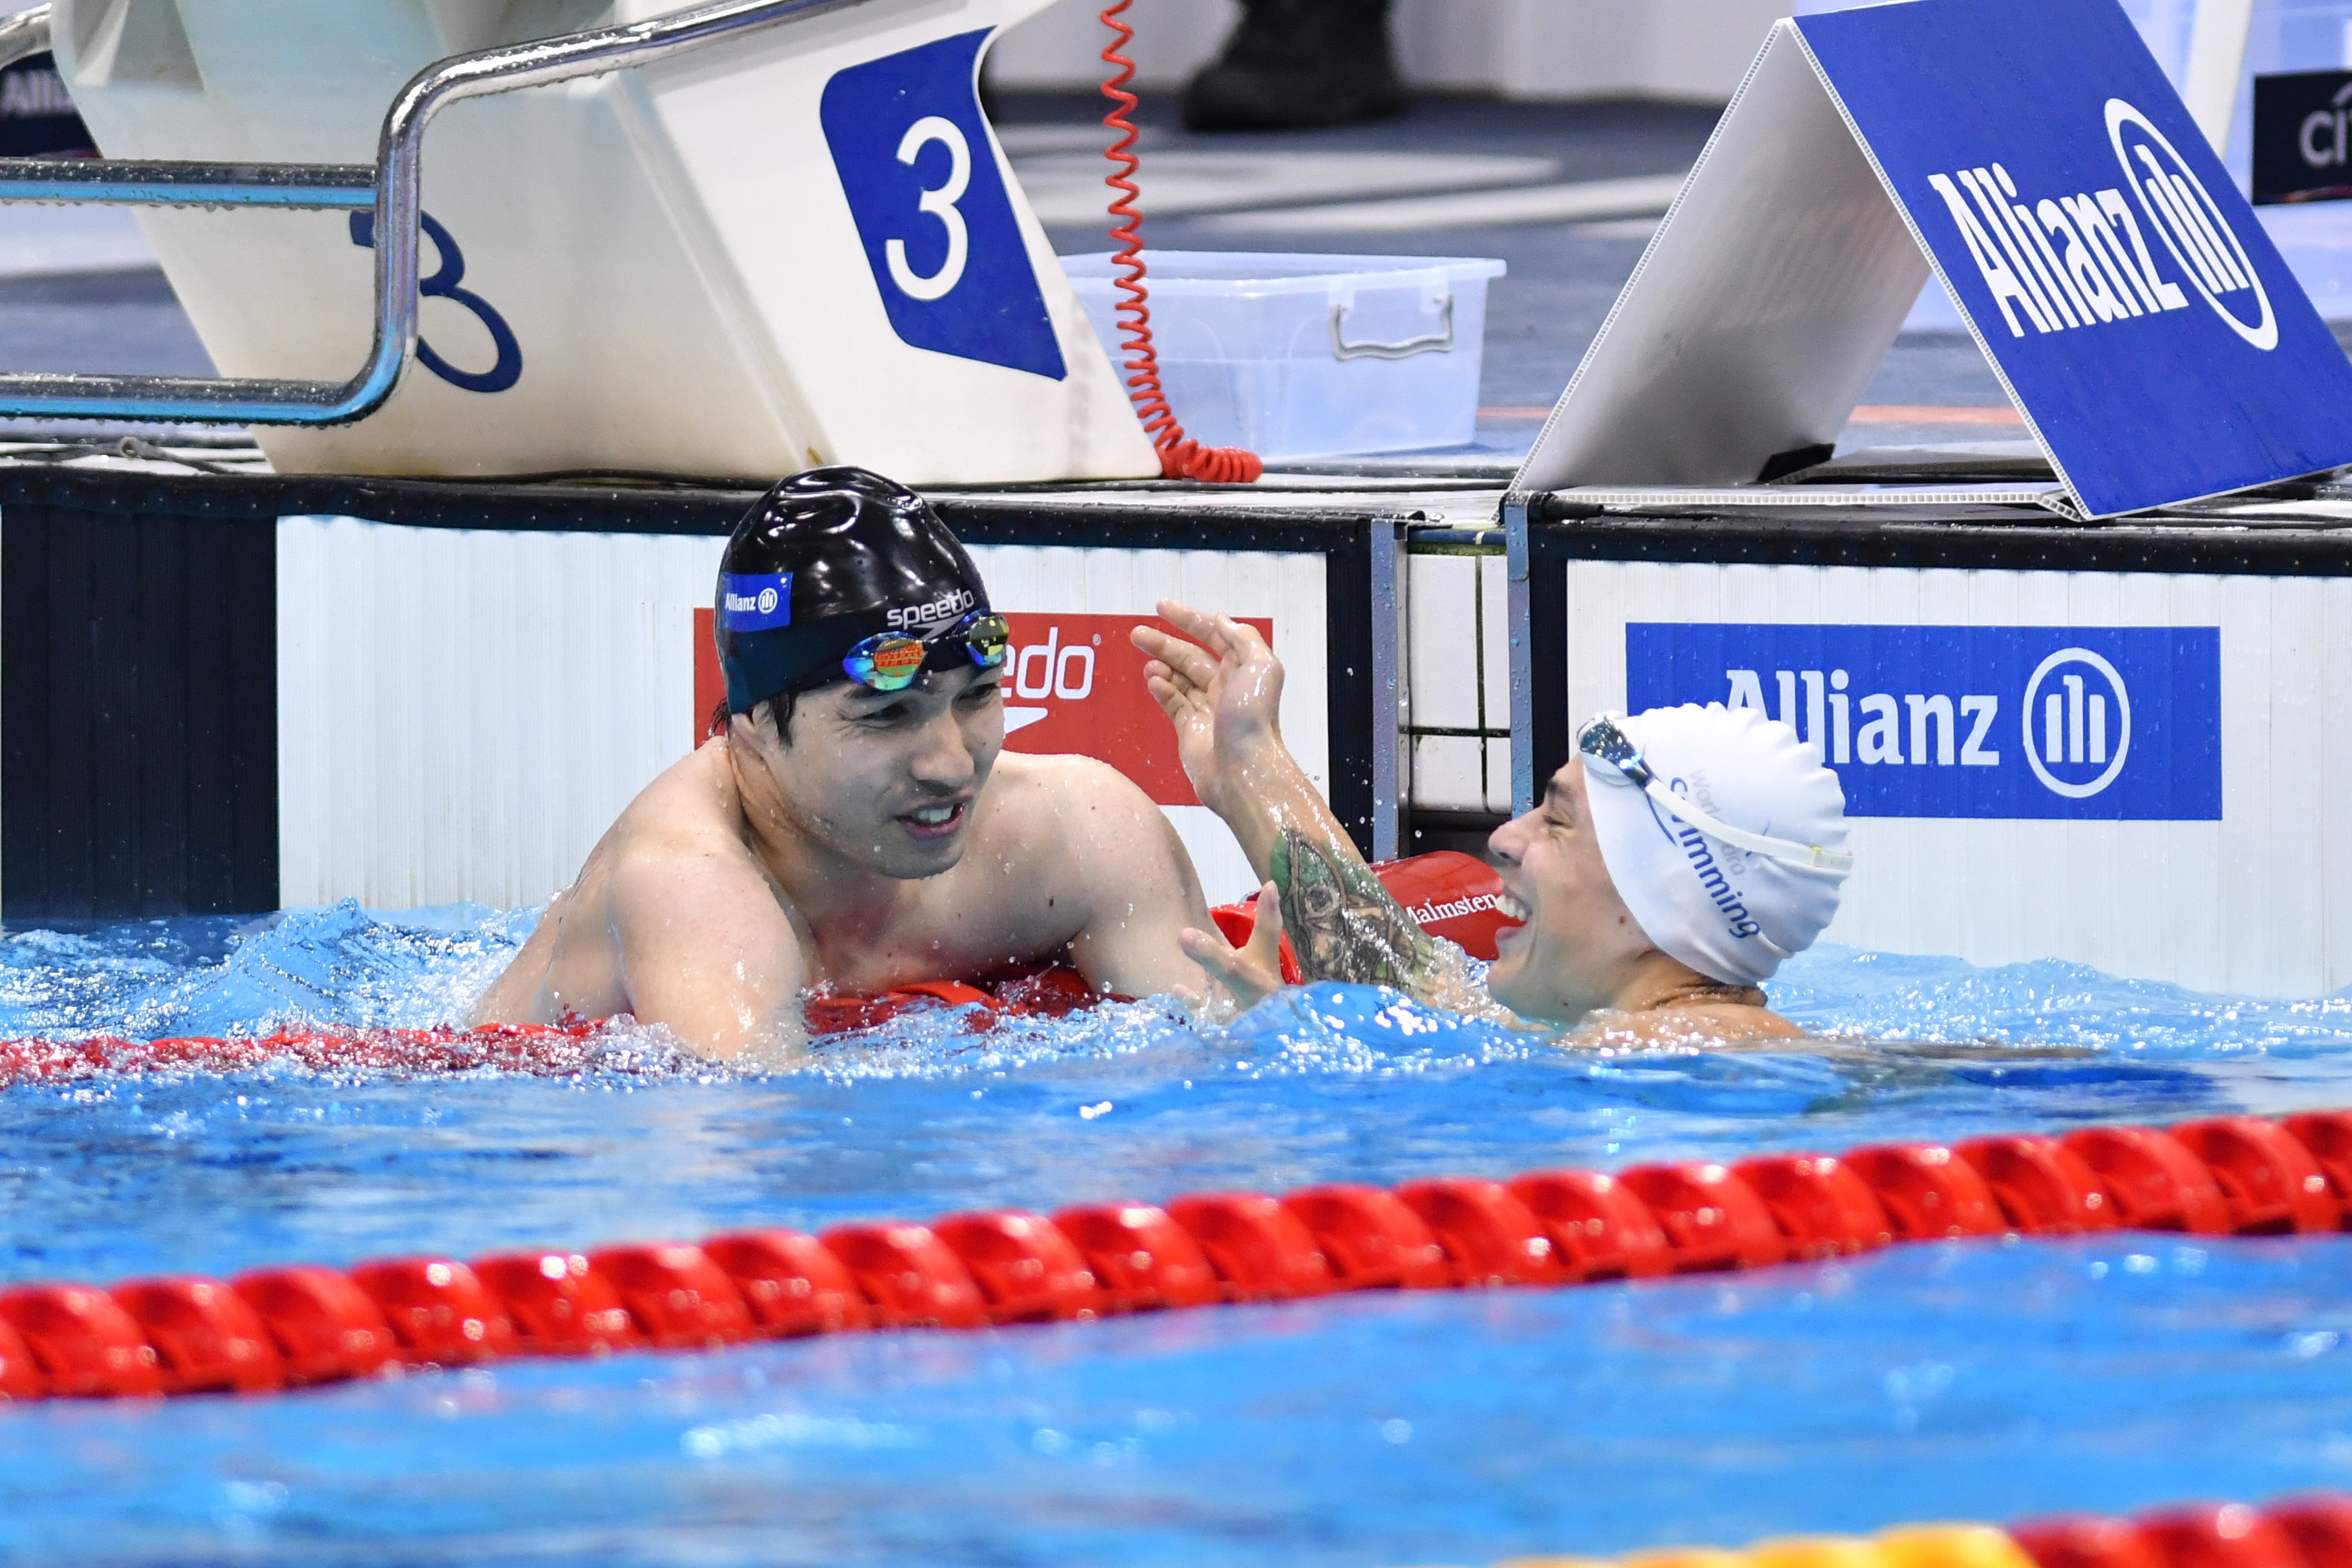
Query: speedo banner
{"x": 2123, "y": 286}
{"x": 2112, "y": 722}
{"x": 1073, "y": 684}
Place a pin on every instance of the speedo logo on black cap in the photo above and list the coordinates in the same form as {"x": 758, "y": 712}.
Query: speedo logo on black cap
{"x": 948, "y": 606}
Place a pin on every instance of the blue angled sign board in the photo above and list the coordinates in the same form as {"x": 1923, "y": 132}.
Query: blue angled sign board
{"x": 2129, "y": 298}
{"x": 919, "y": 168}
{"x": 2114, "y": 723}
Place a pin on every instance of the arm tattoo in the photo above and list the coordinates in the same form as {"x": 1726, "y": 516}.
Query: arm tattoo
{"x": 1343, "y": 924}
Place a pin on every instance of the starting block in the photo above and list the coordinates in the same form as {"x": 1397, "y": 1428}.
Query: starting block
{"x": 799, "y": 247}
{"x": 2033, "y": 155}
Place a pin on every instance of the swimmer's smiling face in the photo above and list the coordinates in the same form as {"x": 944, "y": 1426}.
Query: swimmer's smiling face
{"x": 887, "y": 780}
{"x": 1579, "y": 940}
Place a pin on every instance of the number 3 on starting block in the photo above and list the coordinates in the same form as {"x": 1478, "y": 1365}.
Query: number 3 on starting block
{"x": 946, "y": 252}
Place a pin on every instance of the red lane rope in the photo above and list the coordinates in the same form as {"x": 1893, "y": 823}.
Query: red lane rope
{"x": 1181, "y": 457}
{"x": 279, "y": 1327}
{"x": 2313, "y": 1530}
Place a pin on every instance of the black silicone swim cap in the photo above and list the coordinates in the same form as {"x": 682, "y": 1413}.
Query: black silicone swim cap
{"x": 827, "y": 559}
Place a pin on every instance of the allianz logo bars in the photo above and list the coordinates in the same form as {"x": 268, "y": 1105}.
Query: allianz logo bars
{"x": 2114, "y": 723}
{"x": 2117, "y": 280}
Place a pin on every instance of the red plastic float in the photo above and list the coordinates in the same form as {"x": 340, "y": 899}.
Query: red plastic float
{"x": 325, "y": 1327}
{"x": 2327, "y": 1135}
{"x": 1713, "y": 1220}
{"x": 792, "y": 1284}
{"x": 1142, "y": 1259}
{"x": 1449, "y": 894}
{"x": 2085, "y": 1541}
{"x": 1260, "y": 1250}
{"x": 1028, "y": 1271}
{"x": 2320, "y": 1527}
{"x": 1371, "y": 1238}
{"x": 909, "y": 1276}
{"x": 19, "y": 1378}
{"x": 558, "y": 1304}
{"x": 2042, "y": 1186}
{"x": 1928, "y": 1193}
{"x": 2231, "y": 1536}
{"x": 1599, "y": 1229}
{"x": 1820, "y": 1206}
{"x": 207, "y": 1339}
{"x": 1489, "y": 1236}
{"x": 2153, "y": 1181}
{"x": 680, "y": 1297}
{"x": 2272, "y": 1182}
{"x": 439, "y": 1310}
{"x": 85, "y": 1344}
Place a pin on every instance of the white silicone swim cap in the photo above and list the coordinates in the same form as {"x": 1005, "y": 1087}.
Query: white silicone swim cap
{"x": 1730, "y": 912}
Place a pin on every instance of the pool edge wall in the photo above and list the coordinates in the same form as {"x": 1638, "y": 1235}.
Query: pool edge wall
{"x": 2255, "y": 898}
{"x": 417, "y": 692}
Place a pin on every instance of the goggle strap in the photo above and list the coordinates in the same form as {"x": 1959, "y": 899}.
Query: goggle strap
{"x": 1787, "y": 850}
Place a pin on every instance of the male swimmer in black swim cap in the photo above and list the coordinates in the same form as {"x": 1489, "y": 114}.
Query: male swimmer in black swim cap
{"x": 856, "y": 825}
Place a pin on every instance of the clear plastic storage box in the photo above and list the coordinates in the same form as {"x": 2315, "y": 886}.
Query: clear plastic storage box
{"x": 1309, "y": 357}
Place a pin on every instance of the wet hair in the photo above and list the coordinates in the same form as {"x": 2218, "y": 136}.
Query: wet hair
{"x": 780, "y": 703}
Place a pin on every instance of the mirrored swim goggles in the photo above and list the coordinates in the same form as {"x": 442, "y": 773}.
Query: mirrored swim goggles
{"x": 1604, "y": 743}
{"x": 892, "y": 661}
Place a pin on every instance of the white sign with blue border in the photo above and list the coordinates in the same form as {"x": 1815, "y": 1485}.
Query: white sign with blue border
{"x": 2137, "y": 311}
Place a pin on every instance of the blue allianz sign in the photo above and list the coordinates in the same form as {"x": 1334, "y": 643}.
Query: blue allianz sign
{"x": 2114, "y": 723}
{"x": 917, "y": 164}
{"x": 2122, "y": 285}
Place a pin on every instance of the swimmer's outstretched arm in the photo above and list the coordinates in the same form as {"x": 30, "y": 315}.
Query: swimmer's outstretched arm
{"x": 1224, "y": 693}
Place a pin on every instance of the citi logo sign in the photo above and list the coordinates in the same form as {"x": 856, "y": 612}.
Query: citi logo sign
{"x": 2059, "y": 262}
{"x": 2117, "y": 722}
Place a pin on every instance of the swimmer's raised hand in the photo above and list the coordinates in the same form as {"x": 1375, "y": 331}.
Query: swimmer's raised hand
{"x": 1251, "y": 973}
{"x": 1222, "y": 692}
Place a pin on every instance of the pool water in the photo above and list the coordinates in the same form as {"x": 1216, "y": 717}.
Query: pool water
{"x": 1986, "y": 1379}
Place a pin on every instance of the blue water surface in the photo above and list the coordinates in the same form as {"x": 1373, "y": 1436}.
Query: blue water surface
{"x": 1986, "y": 1379}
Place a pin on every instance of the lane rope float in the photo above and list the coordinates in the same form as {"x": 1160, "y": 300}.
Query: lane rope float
{"x": 287, "y": 1327}
{"x": 2308, "y": 1531}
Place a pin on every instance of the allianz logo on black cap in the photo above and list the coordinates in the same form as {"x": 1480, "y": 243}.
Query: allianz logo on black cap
{"x": 2056, "y": 261}
{"x": 755, "y": 601}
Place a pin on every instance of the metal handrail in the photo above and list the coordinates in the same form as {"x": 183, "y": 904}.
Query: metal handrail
{"x": 393, "y": 188}
{"x": 23, "y": 34}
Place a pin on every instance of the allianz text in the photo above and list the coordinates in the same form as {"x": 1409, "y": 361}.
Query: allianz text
{"x": 2083, "y": 260}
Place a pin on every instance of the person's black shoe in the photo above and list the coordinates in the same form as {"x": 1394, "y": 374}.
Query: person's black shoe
{"x": 1296, "y": 64}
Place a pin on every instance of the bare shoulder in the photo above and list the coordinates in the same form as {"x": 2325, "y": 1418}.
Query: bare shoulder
{"x": 1719, "y": 1027}
{"x": 682, "y": 830}
{"x": 1088, "y": 805}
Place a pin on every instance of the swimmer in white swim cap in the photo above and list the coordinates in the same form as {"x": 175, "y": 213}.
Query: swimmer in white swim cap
{"x": 1669, "y": 868}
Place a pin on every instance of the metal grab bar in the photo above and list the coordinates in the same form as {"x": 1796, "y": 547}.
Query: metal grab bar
{"x": 392, "y": 188}
{"x": 158, "y": 183}
{"x": 25, "y": 34}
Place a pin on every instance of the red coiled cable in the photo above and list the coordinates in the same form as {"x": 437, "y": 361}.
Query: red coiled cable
{"x": 1181, "y": 457}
